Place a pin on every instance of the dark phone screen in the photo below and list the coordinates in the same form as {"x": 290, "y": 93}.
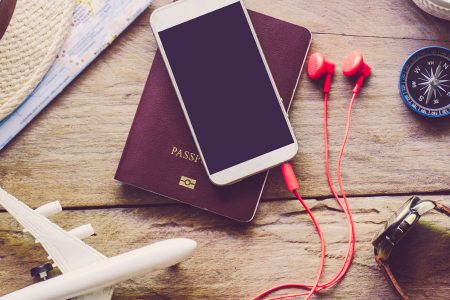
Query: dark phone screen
{"x": 226, "y": 90}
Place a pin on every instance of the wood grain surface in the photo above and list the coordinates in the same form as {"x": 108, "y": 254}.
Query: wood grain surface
{"x": 71, "y": 150}
{"x": 236, "y": 261}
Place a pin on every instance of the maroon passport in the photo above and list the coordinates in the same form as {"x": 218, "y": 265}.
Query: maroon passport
{"x": 160, "y": 154}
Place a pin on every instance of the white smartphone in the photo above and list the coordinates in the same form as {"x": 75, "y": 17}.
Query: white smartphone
{"x": 225, "y": 87}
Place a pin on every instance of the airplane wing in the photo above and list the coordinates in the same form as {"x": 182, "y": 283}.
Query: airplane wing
{"x": 65, "y": 249}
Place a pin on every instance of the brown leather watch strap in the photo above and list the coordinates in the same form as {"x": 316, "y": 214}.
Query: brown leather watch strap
{"x": 440, "y": 206}
{"x": 384, "y": 266}
{"x": 391, "y": 278}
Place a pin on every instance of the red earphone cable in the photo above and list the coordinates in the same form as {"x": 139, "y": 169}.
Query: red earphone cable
{"x": 322, "y": 245}
{"x": 344, "y": 206}
{"x": 312, "y": 288}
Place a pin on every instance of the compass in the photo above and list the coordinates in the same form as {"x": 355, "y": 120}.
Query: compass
{"x": 425, "y": 82}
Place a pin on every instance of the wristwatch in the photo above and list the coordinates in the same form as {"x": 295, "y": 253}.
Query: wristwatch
{"x": 396, "y": 228}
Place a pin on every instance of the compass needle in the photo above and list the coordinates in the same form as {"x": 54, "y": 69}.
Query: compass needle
{"x": 430, "y": 90}
{"x": 439, "y": 70}
{"x": 425, "y": 81}
{"x": 426, "y": 77}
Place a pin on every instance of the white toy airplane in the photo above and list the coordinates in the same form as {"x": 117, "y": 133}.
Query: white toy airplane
{"x": 87, "y": 274}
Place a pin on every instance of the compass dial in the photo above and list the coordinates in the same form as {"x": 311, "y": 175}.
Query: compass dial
{"x": 425, "y": 82}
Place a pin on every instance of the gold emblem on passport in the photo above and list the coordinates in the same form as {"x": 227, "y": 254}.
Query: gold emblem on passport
{"x": 187, "y": 182}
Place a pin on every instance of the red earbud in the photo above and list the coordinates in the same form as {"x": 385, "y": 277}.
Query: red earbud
{"x": 354, "y": 65}
{"x": 319, "y": 66}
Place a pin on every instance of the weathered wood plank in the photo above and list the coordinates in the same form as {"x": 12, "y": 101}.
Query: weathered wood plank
{"x": 236, "y": 261}
{"x": 70, "y": 152}
{"x": 381, "y": 18}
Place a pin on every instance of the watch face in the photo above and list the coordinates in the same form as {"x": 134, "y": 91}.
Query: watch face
{"x": 399, "y": 224}
{"x": 394, "y": 219}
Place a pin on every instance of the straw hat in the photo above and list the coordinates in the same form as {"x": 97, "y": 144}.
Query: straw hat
{"x": 29, "y": 46}
{"x": 437, "y": 8}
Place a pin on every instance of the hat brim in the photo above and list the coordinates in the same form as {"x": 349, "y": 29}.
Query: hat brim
{"x": 29, "y": 47}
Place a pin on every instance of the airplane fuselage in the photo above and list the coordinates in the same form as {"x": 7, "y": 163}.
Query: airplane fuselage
{"x": 105, "y": 273}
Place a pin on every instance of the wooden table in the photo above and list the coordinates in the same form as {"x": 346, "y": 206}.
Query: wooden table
{"x": 71, "y": 150}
